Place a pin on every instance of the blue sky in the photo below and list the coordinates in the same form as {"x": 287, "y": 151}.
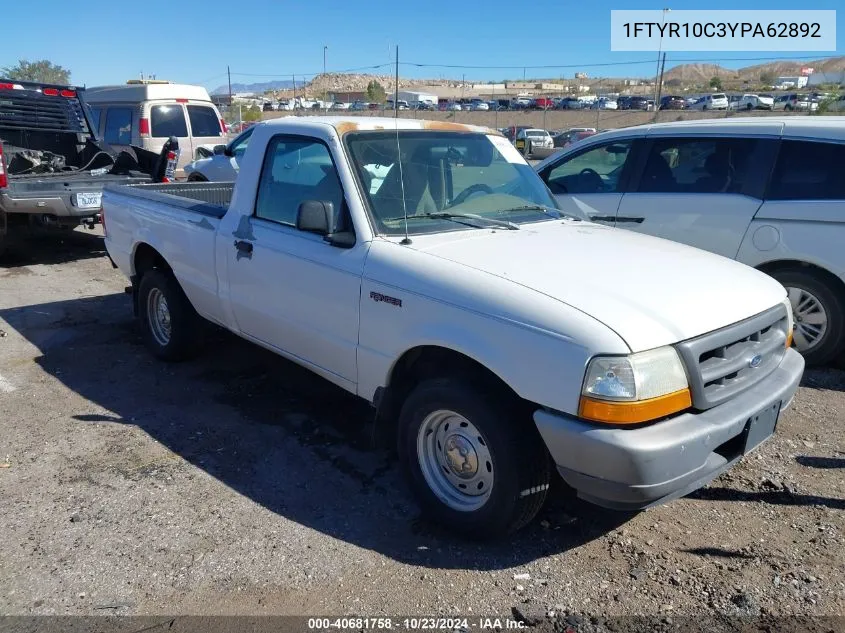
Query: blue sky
{"x": 106, "y": 41}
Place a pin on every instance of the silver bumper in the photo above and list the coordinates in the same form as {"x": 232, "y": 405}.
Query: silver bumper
{"x": 629, "y": 469}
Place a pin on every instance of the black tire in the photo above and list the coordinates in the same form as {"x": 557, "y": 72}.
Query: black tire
{"x": 4, "y": 232}
{"x": 185, "y": 324}
{"x": 832, "y": 341}
{"x": 788, "y": 107}
{"x": 748, "y": 106}
{"x": 521, "y": 464}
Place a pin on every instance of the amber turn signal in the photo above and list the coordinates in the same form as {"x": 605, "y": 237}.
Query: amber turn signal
{"x": 634, "y": 412}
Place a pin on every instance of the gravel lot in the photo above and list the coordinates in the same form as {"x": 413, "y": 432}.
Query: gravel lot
{"x": 241, "y": 484}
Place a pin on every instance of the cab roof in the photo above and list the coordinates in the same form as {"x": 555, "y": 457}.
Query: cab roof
{"x": 346, "y": 124}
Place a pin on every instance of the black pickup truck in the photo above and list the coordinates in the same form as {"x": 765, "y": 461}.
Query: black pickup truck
{"x": 52, "y": 166}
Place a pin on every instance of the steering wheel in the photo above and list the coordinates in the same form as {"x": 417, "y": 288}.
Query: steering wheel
{"x": 591, "y": 177}
{"x": 466, "y": 193}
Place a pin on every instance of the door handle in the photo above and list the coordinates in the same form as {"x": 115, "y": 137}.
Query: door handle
{"x": 244, "y": 248}
{"x": 620, "y": 218}
{"x": 603, "y": 218}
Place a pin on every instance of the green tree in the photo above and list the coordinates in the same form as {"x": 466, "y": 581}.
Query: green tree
{"x": 715, "y": 83}
{"x": 767, "y": 79}
{"x": 375, "y": 92}
{"x": 253, "y": 113}
{"x": 41, "y": 70}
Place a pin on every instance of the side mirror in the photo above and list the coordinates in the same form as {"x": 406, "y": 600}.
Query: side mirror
{"x": 315, "y": 216}
{"x": 319, "y": 216}
{"x": 219, "y": 150}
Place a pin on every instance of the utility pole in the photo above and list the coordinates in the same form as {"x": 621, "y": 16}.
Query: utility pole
{"x": 293, "y": 77}
{"x": 659, "y": 88}
{"x": 396, "y": 87}
{"x": 229, "y": 73}
{"x": 325, "y": 105}
{"x": 659, "y": 49}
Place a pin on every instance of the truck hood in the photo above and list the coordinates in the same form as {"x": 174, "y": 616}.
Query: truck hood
{"x": 650, "y": 291}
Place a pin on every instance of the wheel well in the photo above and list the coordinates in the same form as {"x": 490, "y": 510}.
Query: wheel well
{"x": 834, "y": 282}
{"x": 428, "y": 361}
{"x": 146, "y": 258}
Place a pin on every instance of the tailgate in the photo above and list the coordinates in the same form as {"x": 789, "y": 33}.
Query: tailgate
{"x": 61, "y": 194}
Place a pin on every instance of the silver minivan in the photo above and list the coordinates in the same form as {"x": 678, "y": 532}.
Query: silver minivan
{"x": 147, "y": 113}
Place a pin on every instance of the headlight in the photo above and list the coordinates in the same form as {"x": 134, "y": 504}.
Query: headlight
{"x": 635, "y": 388}
{"x": 790, "y": 321}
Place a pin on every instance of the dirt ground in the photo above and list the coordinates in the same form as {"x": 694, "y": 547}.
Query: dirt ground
{"x": 239, "y": 483}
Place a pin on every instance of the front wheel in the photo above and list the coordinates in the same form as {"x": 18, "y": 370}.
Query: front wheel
{"x": 475, "y": 467}
{"x": 819, "y": 330}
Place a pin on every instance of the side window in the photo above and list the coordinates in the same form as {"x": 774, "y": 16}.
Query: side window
{"x": 595, "y": 171}
{"x": 696, "y": 165}
{"x": 807, "y": 170}
{"x": 204, "y": 121}
{"x": 240, "y": 144}
{"x": 295, "y": 170}
{"x": 94, "y": 114}
{"x": 118, "y": 126}
{"x": 168, "y": 120}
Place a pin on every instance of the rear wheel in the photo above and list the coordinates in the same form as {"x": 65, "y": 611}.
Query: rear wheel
{"x": 4, "y": 228}
{"x": 819, "y": 331}
{"x": 476, "y": 468}
{"x": 169, "y": 324}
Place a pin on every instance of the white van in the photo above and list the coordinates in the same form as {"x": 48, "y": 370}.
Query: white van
{"x": 768, "y": 192}
{"x": 147, "y": 113}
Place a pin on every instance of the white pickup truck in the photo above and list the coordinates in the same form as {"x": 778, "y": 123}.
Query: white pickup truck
{"x": 497, "y": 337}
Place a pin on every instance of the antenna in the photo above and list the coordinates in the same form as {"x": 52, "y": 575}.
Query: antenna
{"x": 407, "y": 239}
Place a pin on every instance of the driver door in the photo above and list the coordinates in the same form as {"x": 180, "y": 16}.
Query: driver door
{"x": 591, "y": 181}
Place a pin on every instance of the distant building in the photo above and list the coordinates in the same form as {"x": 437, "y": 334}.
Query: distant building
{"x": 835, "y": 78}
{"x": 794, "y": 82}
{"x": 489, "y": 87}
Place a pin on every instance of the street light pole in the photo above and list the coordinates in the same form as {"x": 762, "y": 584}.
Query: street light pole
{"x": 325, "y": 105}
{"x": 659, "y": 51}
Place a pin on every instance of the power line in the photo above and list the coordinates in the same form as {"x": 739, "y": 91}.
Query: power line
{"x": 522, "y": 66}
{"x": 625, "y": 63}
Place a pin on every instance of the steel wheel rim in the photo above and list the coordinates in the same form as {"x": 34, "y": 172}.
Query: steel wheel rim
{"x": 810, "y": 319}
{"x": 158, "y": 316}
{"x": 455, "y": 461}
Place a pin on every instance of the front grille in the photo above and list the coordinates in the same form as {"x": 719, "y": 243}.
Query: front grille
{"x": 723, "y": 363}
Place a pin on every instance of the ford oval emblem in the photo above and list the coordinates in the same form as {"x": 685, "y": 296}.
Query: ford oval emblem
{"x": 755, "y": 361}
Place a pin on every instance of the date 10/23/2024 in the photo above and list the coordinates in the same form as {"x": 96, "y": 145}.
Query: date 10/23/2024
{"x": 416, "y": 624}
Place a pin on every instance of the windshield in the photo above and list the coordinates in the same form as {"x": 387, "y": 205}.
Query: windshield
{"x": 535, "y": 133}
{"x": 451, "y": 172}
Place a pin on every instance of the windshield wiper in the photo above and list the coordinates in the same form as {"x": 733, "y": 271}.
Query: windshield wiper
{"x": 550, "y": 211}
{"x": 457, "y": 217}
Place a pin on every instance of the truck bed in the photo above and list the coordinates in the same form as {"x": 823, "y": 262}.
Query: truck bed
{"x": 205, "y": 198}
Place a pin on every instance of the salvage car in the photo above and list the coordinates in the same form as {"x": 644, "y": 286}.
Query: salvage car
{"x": 532, "y": 141}
{"x": 52, "y": 164}
{"x": 437, "y": 297}
{"x": 767, "y": 192}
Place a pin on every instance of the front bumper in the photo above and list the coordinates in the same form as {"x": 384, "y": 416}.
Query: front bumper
{"x": 631, "y": 469}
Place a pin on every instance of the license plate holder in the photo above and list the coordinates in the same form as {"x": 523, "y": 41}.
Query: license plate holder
{"x": 89, "y": 200}
{"x": 760, "y": 426}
